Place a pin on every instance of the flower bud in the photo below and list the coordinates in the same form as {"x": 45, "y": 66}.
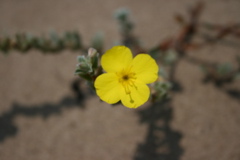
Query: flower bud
{"x": 92, "y": 52}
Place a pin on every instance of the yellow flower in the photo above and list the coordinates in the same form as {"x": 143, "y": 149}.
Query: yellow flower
{"x": 126, "y": 78}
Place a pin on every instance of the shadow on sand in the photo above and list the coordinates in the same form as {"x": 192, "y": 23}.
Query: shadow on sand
{"x": 161, "y": 142}
{"x": 7, "y": 126}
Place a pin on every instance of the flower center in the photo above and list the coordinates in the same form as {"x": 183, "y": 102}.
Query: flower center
{"x": 127, "y": 79}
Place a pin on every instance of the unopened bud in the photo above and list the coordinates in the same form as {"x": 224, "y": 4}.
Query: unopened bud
{"x": 92, "y": 52}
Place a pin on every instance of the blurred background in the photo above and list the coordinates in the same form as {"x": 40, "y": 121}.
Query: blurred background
{"x": 44, "y": 115}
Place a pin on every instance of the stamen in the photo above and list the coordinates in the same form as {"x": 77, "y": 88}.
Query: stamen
{"x": 131, "y": 83}
{"x": 127, "y": 90}
{"x": 127, "y": 78}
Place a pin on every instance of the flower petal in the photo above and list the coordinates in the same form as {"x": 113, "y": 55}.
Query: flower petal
{"x": 139, "y": 95}
{"x": 145, "y": 67}
{"x": 107, "y": 87}
{"x": 116, "y": 58}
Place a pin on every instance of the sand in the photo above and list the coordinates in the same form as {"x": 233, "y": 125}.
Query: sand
{"x": 41, "y": 118}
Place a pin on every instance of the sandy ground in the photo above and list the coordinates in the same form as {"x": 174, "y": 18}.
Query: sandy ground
{"x": 41, "y": 119}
